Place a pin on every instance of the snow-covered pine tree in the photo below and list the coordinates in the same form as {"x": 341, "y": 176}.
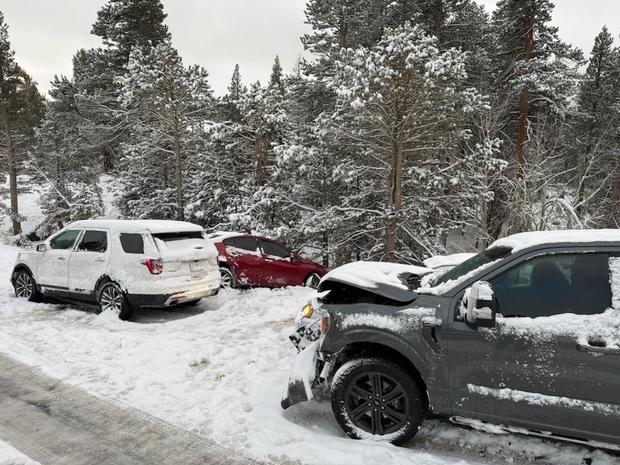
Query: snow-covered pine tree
{"x": 65, "y": 163}
{"x": 122, "y": 25}
{"x": 597, "y": 133}
{"x": 166, "y": 105}
{"x": 21, "y": 109}
{"x": 535, "y": 74}
{"x": 403, "y": 106}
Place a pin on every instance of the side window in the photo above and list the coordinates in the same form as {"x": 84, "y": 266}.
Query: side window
{"x": 555, "y": 284}
{"x": 94, "y": 241}
{"x": 132, "y": 243}
{"x": 248, "y": 244}
{"x": 273, "y": 249}
{"x": 65, "y": 240}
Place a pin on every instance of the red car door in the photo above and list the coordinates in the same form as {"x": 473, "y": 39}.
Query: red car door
{"x": 245, "y": 259}
{"x": 279, "y": 268}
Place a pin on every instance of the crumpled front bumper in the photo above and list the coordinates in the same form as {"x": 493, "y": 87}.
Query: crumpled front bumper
{"x": 305, "y": 375}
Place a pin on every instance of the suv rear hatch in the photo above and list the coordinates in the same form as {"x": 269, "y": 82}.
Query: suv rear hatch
{"x": 186, "y": 253}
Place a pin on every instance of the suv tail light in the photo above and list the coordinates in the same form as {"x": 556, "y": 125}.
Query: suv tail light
{"x": 155, "y": 265}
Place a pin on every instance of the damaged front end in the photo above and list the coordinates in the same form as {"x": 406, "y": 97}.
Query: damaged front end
{"x": 309, "y": 369}
{"x": 308, "y": 372}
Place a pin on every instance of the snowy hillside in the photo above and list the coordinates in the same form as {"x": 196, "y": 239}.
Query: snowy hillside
{"x": 220, "y": 370}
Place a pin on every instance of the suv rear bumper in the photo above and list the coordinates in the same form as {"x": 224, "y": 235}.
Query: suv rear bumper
{"x": 168, "y": 300}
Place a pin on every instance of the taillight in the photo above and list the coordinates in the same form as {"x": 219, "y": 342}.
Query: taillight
{"x": 154, "y": 265}
{"x": 324, "y": 324}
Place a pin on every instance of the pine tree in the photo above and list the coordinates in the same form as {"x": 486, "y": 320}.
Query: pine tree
{"x": 597, "y": 141}
{"x": 65, "y": 163}
{"x": 403, "y": 107}
{"x": 165, "y": 103}
{"x": 535, "y": 74}
{"x": 125, "y": 24}
{"x": 122, "y": 25}
{"x": 21, "y": 108}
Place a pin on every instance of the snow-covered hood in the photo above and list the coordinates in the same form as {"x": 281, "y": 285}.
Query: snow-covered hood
{"x": 391, "y": 280}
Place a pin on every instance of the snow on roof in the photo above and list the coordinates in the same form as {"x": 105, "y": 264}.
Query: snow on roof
{"x": 154, "y": 226}
{"x": 529, "y": 239}
{"x": 442, "y": 261}
{"x": 219, "y": 236}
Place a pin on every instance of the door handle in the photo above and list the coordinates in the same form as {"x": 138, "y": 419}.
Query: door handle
{"x": 60, "y": 258}
{"x": 597, "y": 349}
{"x": 99, "y": 259}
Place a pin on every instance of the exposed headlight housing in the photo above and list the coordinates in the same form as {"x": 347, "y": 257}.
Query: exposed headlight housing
{"x": 307, "y": 311}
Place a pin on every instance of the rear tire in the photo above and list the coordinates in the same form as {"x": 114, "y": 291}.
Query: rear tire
{"x": 111, "y": 297}
{"x": 228, "y": 277}
{"x": 25, "y": 286}
{"x": 374, "y": 398}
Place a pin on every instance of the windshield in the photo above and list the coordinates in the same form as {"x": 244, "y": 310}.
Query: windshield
{"x": 484, "y": 258}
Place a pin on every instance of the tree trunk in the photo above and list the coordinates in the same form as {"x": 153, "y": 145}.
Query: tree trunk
{"x": 108, "y": 159}
{"x": 524, "y": 103}
{"x": 612, "y": 216}
{"x": 395, "y": 179}
{"x": 12, "y": 162}
{"x": 179, "y": 178}
{"x": 260, "y": 152}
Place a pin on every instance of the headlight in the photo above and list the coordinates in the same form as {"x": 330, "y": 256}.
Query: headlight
{"x": 307, "y": 311}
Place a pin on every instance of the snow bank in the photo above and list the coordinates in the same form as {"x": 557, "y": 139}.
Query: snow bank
{"x": 11, "y": 456}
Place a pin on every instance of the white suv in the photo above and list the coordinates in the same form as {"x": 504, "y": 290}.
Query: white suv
{"x": 121, "y": 265}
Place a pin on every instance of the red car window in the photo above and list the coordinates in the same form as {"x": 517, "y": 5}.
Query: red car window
{"x": 273, "y": 249}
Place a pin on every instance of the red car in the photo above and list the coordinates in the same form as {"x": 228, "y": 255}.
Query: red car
{"x": 252, "y": 261}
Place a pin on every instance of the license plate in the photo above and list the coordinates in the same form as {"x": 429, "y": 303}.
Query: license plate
{"x": 195, "y": 266}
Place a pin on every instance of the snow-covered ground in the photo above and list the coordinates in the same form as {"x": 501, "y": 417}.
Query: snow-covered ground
{"x": 11, "y": 456}
{"x": 220, "y": 369}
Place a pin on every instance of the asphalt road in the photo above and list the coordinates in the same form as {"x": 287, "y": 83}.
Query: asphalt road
{"x": 57, "y": 424}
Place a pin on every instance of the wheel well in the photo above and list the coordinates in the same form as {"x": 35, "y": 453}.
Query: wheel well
{"x": 364, "y": 349}
{"x": 101, "y": 281}
{"x": 19, "y": 268}
{"x": 222, "y": 264}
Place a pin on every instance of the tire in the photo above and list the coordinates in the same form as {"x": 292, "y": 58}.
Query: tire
{"x": 228, "y": 277}
{"x": 398, "y": 405}
{"x": 111, "y": 297}
{"x": 312, "y": 280}
{"x": 25, "y": 286}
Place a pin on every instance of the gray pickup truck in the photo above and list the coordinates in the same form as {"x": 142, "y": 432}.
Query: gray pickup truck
{"x": 524, "y": 336}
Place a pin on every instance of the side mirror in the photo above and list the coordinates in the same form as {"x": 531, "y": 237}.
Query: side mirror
{"x": 41, "y": 247}
{"x": 294, "y": 257}
{"x": 478, "y": 306}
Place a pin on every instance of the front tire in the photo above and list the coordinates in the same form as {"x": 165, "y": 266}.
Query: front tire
{"x": 25, "y": 286}
{"x": 228, "y": 277}
{"x": 374, "y": 398}
{"x": 112, "y": 298}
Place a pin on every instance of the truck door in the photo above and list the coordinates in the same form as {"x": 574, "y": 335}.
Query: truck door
{"x": 540, "y": 367}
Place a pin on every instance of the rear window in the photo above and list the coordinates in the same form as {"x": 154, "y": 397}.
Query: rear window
{"x": 179, "y": 236}
{"x": 132, "y": 243}
{"x": 249, "y": 244}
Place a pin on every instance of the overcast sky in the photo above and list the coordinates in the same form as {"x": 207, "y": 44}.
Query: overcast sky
{"x": 219, "y": 33}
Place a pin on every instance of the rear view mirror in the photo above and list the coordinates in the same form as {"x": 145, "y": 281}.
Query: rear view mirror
{"x": 480, "y": 308}
{"x": 41, "y": 247}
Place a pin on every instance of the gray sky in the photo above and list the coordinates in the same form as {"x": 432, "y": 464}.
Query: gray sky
{"x": 219, "y": 33}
